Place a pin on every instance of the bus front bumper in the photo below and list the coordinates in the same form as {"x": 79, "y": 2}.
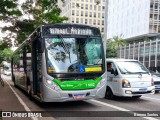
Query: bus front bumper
{"x": 51, "y": 95}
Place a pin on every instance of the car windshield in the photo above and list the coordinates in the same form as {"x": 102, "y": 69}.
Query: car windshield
{"x": 131, "y": 67}
{"x": 74, "y": 54}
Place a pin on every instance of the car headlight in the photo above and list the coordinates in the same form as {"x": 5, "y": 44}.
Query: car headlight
{"x": 126, "y": 84}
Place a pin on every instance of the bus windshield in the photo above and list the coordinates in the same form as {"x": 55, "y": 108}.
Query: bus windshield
{"x": 131, "y": 67}
{"x": 74, "y": 54}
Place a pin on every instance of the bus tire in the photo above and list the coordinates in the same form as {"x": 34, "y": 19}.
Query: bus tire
{"x": 109, "y": 94}
{"x": 136, "y": 97}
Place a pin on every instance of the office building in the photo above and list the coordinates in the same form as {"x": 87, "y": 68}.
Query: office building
{"x": 89, "y": 12}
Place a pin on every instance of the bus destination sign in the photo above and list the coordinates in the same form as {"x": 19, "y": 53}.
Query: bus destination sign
{"x": 71, "y": 30}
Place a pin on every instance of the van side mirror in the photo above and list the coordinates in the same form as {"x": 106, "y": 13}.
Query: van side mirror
{"x": 115, "y": 72}
{"x": 40, "y": 45}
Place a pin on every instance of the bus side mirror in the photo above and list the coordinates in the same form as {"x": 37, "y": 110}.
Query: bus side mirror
{"x": 40, "y": 45}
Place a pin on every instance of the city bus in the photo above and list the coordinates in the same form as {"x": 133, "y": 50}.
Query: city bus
{"x": 61, "y": 62}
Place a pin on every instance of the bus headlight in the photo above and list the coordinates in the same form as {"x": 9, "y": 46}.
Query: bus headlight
{"x": 53, "y": 85}
{"x": 126, "y": 84}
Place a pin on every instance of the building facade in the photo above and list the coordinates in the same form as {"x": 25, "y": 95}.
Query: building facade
{"x": 147, "y": 52}
{"x": 89, "y": 12}
{"x": 132, "y": 18}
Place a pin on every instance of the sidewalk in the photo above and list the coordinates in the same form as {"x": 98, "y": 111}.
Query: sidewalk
{"x": 9, "y": 102}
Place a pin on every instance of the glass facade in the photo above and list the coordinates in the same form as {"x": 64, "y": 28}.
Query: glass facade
{"x": 147, "y": 52}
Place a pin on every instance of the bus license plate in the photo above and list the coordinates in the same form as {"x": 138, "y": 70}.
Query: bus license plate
{"x": 79, "y": 96}
{"x": 143, "y": 89}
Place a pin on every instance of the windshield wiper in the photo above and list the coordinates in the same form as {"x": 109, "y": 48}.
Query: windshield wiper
{"x": 135, "y": 72}
{"x": 65, "y": 47}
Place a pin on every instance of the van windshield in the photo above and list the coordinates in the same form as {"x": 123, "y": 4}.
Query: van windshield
{"x": 132, "y": 67}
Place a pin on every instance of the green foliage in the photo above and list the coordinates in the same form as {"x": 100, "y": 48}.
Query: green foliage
{"x": 44, "y": 11}
{"x": 110, "y": 51}
{"x": 113, "y": 45}
{"x": 7, "y": 53}
{"x": 8, "y": 10}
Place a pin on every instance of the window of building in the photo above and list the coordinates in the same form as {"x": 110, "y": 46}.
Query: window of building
{"x": 103, "y": 8}
{"x": 77, "y": 13}
{"x": 99, "y": 15}
{"x": 102, "y": 15}
{"x": 82, "y": 6}
{"x": 98, "y": 22}
{"x": 102, "y": 22}
{"x": 90, "y": 21}
{"x": 95, "y": 6}
{"x": 73, "y": 5}
{"x": 90, "y": 7}
{"x": 86, "y": 7}
{"x": 102, "y": 29}
{"x": 94, "y": 22}
{"x": 90, "y": 14}
{"x": 72, "y": 12}
{"x": 82, "y": 20}
{"x": 85, "y": 21}
{"x": 99, "y": 8}
{"x": 77, "y": 20}
{"x": 86, "y": 14}
{"x": 81, "y": 13}
{"x": 94, "y": 14}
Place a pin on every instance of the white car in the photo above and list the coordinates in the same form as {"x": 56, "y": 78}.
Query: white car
{"x": 7, "y": 72}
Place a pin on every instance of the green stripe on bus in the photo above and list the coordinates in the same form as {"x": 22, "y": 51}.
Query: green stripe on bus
{"x": 77, "y": 84}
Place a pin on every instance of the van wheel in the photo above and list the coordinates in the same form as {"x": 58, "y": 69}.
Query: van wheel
{"x": 136, "y": 96}
{"x": 109, "y": 94}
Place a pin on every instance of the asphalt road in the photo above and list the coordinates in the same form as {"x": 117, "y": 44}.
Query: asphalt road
{"x": 13, "y": 99}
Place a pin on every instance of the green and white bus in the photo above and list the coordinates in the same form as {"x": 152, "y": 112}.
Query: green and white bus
{"x": 61, "y": 62}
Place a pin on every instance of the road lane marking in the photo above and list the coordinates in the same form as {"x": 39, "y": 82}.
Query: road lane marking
{"x": 21, "y": 101}
{"x": 119, "y": 108}
{"x": 151, "y": 98}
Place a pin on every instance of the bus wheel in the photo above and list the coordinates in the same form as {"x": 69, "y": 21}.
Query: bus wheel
{"x": 136, "y": 96}
{"x": 109, "y": 94}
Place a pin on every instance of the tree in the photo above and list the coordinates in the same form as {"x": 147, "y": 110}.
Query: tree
{"x": 113, "y": 45}
{"x": 38, "y": 13}
{"x": 5, "y": 52}
{"x": 117, "y": 41}
{"x": 9, "y": 12}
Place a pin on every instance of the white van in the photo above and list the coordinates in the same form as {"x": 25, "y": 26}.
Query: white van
{"x": 128, "y": 78}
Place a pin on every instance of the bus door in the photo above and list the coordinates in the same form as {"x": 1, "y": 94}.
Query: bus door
{"x": 37, "y": 69}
